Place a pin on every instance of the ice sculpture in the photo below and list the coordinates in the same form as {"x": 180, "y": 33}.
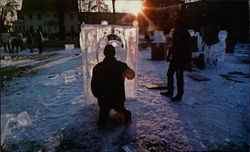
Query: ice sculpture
{"x": 221, "y": 46}
{"x": 93, "y": 39}
{"x": 159, "y": 36}
{"x": 215, "y": 53}
{"x": 199, "y": 41}
{"x": 242, "y": 50}
{"x": 191, "y": 32}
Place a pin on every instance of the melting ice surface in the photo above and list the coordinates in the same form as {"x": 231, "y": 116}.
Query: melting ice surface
{"x": 43, "y": 103}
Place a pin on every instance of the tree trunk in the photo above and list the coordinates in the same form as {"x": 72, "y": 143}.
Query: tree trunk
{"x": 1, "y": 22}
{"x": 61, "y": 25}
{"x": 113, "y": 6}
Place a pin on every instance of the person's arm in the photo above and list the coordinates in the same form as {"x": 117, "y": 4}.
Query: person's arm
{"x": 169, "y": 55}
{"x": 128, "y": 73}
{"x": 94, "y": 85}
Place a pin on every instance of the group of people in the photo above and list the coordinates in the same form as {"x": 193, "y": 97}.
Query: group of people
{"x": 107, "y": 83}
{"x": 108, "y": 77}
{"x": 17, "y": 43}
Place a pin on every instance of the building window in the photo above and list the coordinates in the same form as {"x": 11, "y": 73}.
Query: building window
{"x": 30, "y": 16}
{"x": 71, "y": 16}
{"x": 39, "y": 17}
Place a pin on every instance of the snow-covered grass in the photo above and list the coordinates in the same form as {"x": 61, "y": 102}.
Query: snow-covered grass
{"x": 213, "y": 115}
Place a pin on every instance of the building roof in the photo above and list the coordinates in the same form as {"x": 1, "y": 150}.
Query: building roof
{"x": 50, "y": 5}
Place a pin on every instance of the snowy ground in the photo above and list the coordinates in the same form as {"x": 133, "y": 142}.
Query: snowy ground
{"x": 213, "y": 115}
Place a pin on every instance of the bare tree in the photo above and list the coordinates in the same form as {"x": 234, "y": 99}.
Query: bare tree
{"x": 113, "y": 6}
{"x": 7, "y": 11}
{"x": 92, "y": 6}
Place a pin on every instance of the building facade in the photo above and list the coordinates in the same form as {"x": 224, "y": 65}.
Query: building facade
{"x": 161, "y": 14}
{"x": 49, "y": 16}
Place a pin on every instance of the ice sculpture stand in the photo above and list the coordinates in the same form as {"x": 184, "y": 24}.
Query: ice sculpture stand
{"x": 158, "y": 46}
{"x": 93, "y": 39}
{"x": 157, "y": 50}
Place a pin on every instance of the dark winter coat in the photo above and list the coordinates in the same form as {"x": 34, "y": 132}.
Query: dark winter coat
{"x": 29, "y": 39}
{"x": 107, "y": 83}
{"x": 39, "y": 38}
{"x": 180, "y": 53}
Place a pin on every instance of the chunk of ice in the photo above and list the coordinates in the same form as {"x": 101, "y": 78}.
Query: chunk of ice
{"x": 23, "y": 118}
{"x": 5, "y": 120}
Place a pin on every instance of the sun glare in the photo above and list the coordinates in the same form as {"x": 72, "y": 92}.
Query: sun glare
{"x": 134, "y": 7}
{"x": 127, "y": 6}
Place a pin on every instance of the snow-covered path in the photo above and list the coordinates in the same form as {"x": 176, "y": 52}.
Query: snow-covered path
{"x": 212, "y": 115}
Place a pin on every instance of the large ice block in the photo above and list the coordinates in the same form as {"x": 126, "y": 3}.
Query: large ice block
{"x": 199, "y": 41}
{"x": 93, "y": 39}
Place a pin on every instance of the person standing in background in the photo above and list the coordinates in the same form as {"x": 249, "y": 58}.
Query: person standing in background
{"x": 29, "y": 41}
{"x": 39, "y": 38}
{"x": 6, "y": 37}
{"x": 180, "y": 60}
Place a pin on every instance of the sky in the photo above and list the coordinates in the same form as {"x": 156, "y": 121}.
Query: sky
{"x": 124, "y": 5}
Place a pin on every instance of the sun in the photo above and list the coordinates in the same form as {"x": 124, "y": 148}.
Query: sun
{"x": 134, "y": 7}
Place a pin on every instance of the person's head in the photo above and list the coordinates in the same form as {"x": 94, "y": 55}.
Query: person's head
{"x": 109, "y": 51}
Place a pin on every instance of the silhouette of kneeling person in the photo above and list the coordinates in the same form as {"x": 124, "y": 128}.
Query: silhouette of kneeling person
{"x": 107, "y": 85}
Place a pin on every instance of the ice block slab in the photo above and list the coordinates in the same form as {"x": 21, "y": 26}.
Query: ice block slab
{"x": 94, "y": 38}
{"x": 69, "y": 46}
{"x": 156, "y": 85}
{"x": 5, "y": 120}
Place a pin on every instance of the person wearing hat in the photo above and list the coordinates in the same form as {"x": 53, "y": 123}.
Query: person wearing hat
{"x": 107, "y": 85}
{"x": 6, "y": 37}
